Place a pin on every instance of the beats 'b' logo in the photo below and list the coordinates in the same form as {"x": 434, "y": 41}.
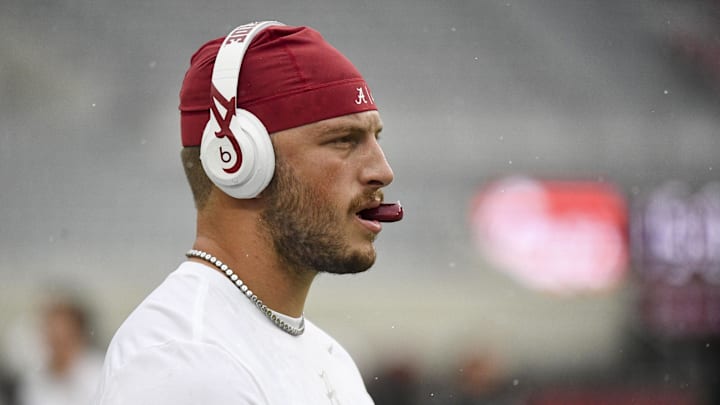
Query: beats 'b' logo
{"x": 225, "y": 132}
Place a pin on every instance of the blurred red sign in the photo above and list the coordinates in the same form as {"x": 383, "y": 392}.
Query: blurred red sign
{"x": 559, "y": 236}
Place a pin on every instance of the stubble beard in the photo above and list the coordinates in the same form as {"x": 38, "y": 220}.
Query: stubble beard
{"x": 305, "y": 229}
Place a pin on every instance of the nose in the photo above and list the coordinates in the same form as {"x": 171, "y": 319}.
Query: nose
{"x": 376, "y": 170}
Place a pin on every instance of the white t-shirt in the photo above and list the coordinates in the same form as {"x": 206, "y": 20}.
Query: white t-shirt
{"x": 197, "y": 339}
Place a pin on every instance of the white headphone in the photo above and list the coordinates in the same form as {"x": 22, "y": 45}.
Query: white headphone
{"x": 236, "y": 151}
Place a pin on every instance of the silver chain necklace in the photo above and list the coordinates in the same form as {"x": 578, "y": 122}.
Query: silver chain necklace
{"x": 269, "y": 313}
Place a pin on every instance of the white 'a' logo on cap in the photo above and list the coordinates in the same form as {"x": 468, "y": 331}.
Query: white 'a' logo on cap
{"x": 361, "y": 98}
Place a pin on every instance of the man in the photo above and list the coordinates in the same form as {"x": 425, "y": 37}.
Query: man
{"x": 227, "y": 327}
{"x": 69, "y": 372}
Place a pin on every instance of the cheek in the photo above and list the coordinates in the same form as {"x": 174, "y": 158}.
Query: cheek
{"x": 327, "y": 179}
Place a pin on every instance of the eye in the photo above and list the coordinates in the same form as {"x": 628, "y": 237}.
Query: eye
{"x": 346, "y": 141}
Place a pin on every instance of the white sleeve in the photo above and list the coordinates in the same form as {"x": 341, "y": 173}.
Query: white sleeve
{"x": 181, "y": 373}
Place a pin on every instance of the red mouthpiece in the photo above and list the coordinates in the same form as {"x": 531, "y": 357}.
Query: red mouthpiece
{"x": 386, "y": 212}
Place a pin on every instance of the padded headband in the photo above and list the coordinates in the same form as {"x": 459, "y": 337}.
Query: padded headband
{"x": 226, "y": 73}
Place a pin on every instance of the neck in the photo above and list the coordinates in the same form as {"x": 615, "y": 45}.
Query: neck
{"x": 281, "y": 288}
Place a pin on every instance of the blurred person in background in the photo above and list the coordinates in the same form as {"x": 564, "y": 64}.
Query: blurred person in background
{"x": 70, "y": 371}
{"x": 480, "y": 379}
{"x": 286, "y": 171}
{"x": 396, "y": 383}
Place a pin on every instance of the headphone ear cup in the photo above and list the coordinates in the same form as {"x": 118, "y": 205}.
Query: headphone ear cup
{"x": 242, "y": 162}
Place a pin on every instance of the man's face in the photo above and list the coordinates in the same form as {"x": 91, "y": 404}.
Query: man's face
{"x": 326, "y": 173}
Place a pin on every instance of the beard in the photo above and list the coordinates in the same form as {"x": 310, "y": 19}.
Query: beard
{"x": 306, "y": 230}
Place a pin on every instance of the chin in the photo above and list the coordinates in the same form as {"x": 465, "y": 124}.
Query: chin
{"x": 354, "y": 263}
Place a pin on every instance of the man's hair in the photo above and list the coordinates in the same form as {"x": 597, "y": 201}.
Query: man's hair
{"x": 200, "y": 184}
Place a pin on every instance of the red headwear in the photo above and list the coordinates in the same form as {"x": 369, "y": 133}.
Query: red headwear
{"x": 290, "y": 76}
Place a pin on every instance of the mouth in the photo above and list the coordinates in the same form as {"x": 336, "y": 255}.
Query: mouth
{"x": 372, "y": 224}
{"x": 385, "y": 212}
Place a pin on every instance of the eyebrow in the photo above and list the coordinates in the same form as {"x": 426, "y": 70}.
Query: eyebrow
{"x": 347, "y": 128}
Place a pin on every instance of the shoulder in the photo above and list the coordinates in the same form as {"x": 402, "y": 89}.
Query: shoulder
{"x": 178, "y": 373}
{"x": 171, "y": 349}
{"x": 179, "y": 309}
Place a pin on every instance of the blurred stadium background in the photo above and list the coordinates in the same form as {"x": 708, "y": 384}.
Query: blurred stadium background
{"x": 615, "y": 101}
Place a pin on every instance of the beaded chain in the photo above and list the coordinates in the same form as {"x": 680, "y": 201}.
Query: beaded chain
{"x": 269, "y": 313}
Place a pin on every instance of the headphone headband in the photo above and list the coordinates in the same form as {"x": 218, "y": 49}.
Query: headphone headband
{"x": 226, "y": 73}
